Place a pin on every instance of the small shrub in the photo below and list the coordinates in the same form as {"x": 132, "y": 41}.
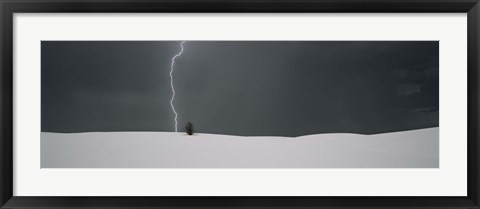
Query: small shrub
{"x": 189, "y": 128}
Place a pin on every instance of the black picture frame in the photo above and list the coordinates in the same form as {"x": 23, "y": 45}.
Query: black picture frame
{"x": 9, "y": 7}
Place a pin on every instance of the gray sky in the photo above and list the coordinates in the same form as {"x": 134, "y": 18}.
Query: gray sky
{"x": 250, "y": 88}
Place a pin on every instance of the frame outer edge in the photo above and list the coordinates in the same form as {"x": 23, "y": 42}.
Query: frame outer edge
{"x": 6, "y": 104}
{"x": 6, "y": 148}
{"x": 2, "y": 201}
{"x": 473, "y": 91}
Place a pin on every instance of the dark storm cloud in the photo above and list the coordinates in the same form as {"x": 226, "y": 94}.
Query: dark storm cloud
{"x": 105, "y": 86}
{"x": 242, "y": 88}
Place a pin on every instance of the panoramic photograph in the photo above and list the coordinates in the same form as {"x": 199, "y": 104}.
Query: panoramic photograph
{"x": 239, "y": 104}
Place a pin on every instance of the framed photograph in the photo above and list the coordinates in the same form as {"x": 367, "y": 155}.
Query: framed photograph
{"x": 239, "y": 104}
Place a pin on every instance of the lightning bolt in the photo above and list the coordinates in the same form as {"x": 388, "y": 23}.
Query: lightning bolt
{"x": 171, "y": 82}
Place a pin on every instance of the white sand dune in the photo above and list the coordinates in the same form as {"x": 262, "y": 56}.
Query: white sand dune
{"x": 407, "y": 149}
